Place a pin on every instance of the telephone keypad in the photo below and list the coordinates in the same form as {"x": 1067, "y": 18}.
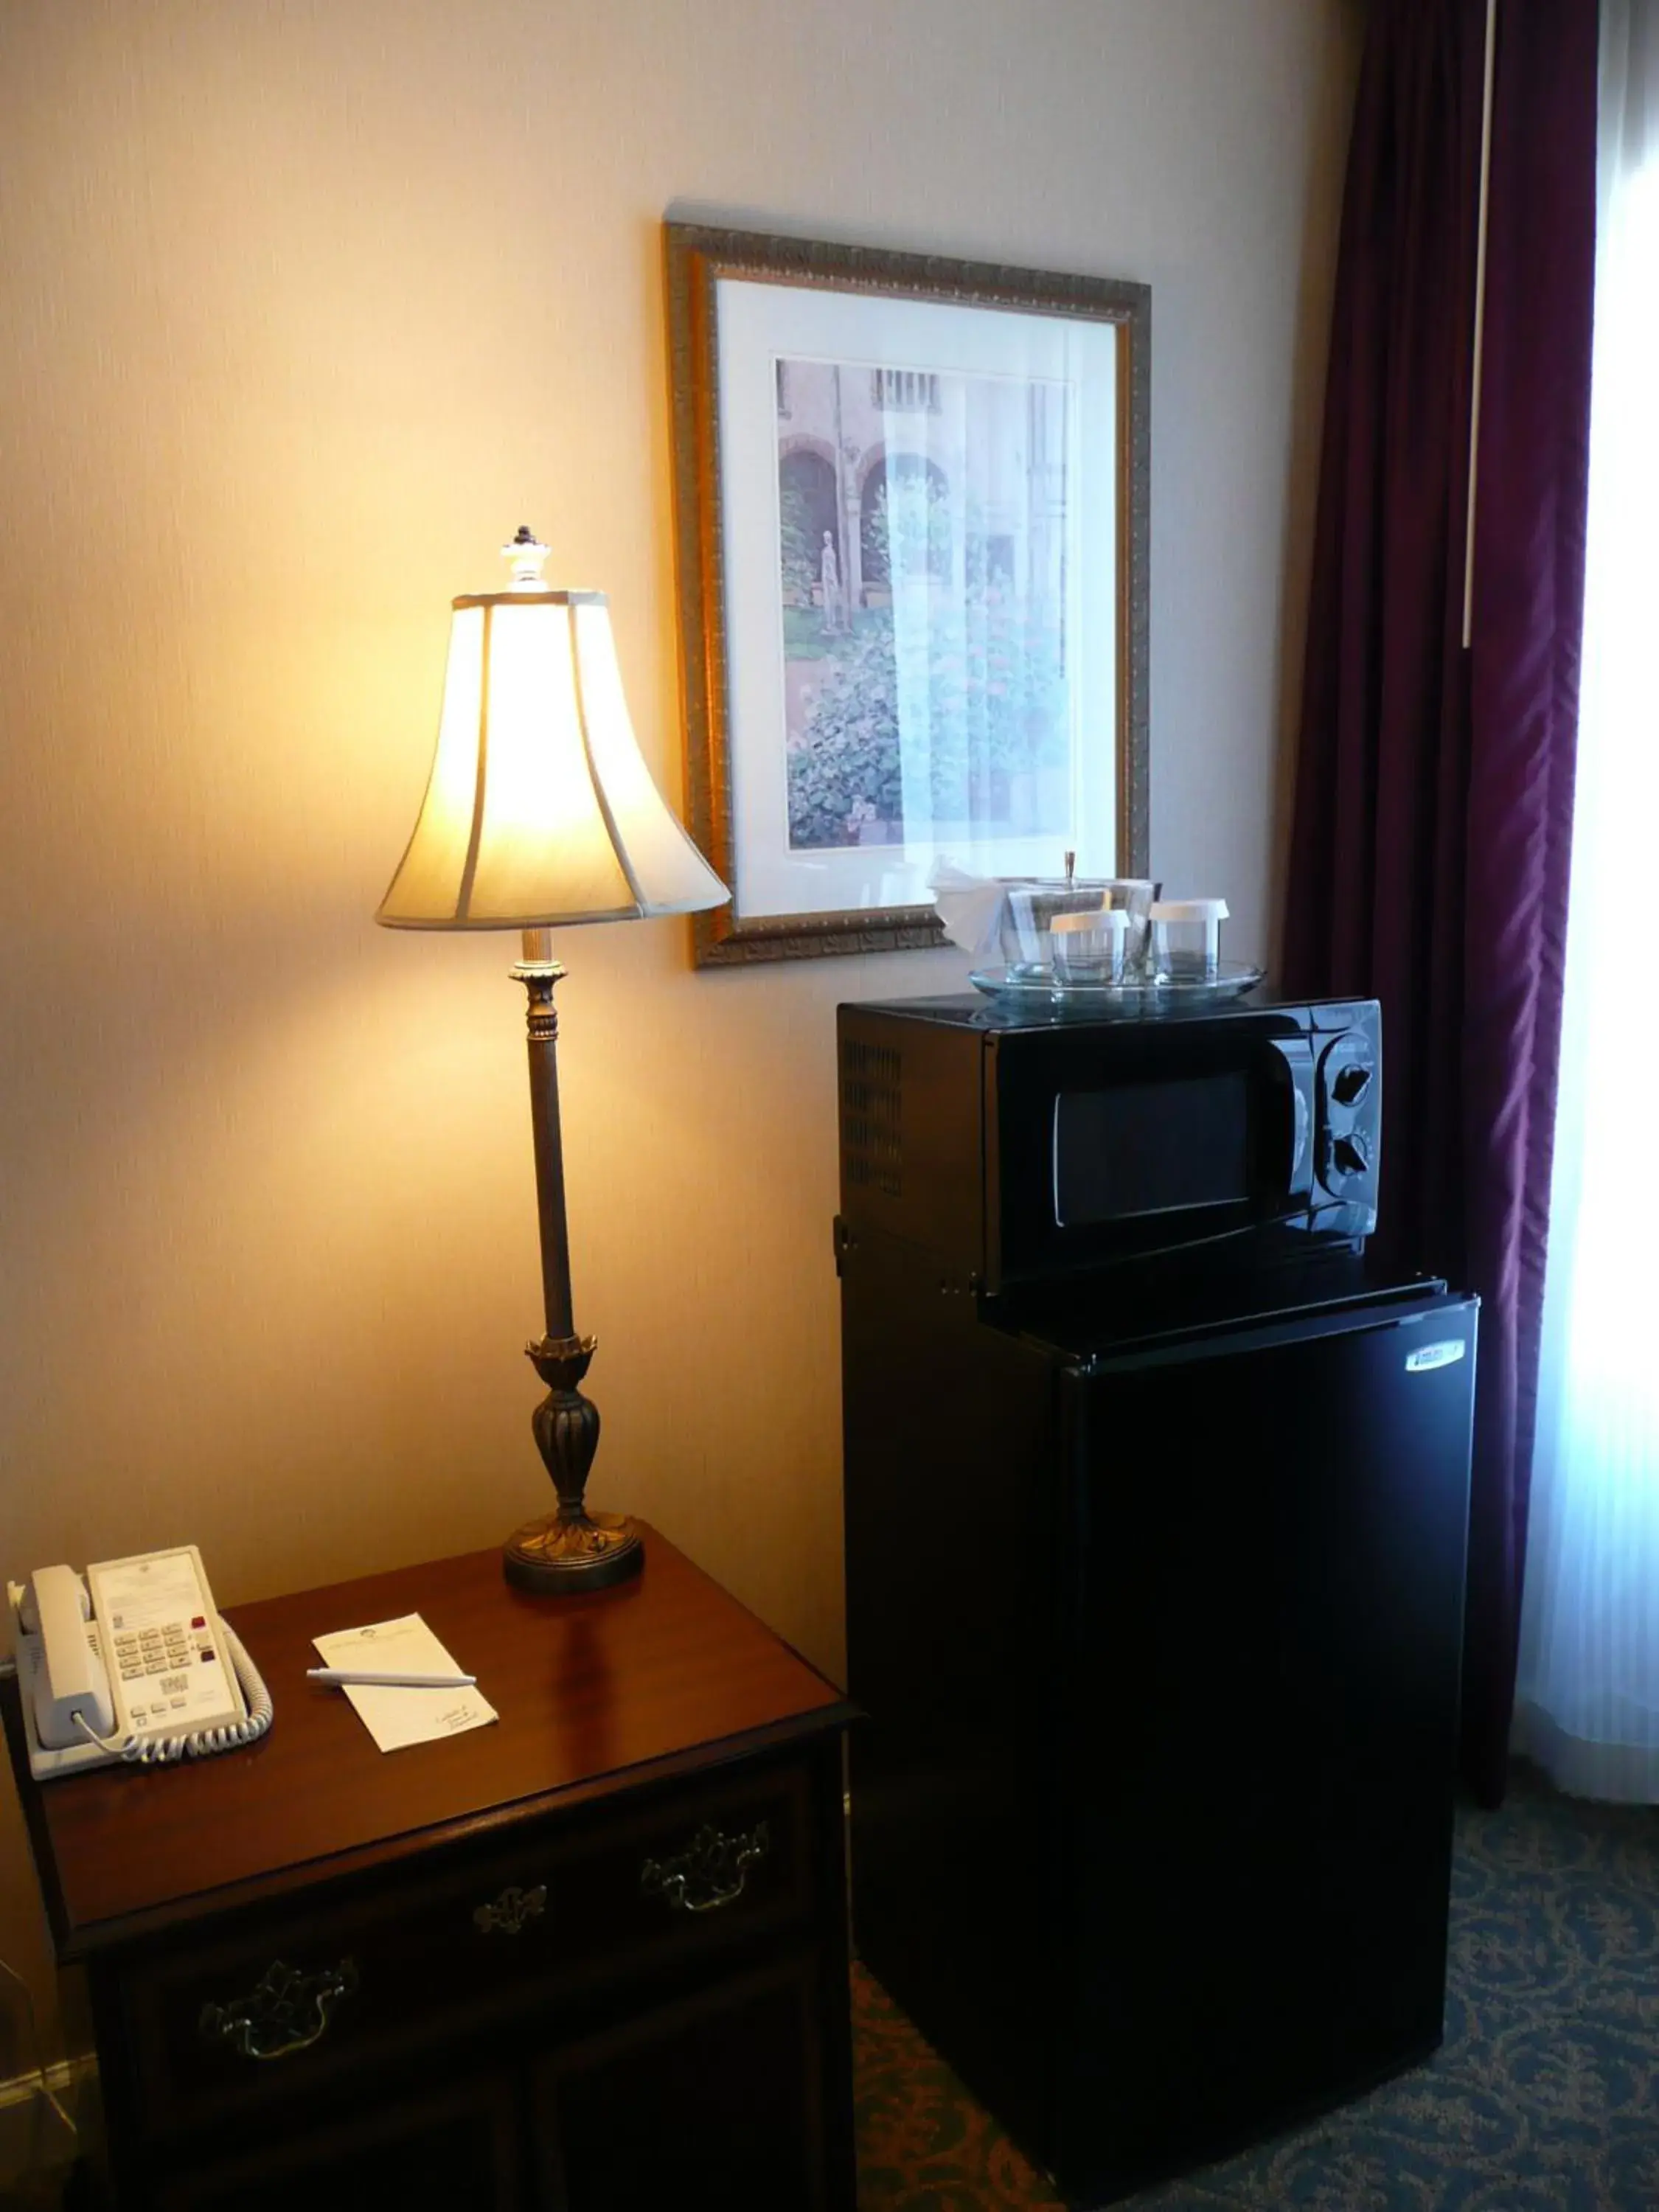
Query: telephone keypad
{"x": 168, "y": 1650}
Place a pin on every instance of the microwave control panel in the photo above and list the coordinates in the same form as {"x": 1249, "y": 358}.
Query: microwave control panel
{"x": 1348, "y": 1107}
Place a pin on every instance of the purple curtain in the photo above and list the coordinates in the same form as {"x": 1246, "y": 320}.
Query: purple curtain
{"x": 1434, "y": 799}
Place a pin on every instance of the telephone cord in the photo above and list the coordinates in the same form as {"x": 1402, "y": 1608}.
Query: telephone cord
{"x": 163, "y": 1750}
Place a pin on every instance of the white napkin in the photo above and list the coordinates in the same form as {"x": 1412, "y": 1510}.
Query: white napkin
{"x": 970, "y": 907}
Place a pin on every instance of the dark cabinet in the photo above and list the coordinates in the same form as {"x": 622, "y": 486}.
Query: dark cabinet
{"x": 591, "y": 1959}
{"x": 731, "y": 2082}
{"x": 714, "y": 2098}
{"x": 452, "y": 2151}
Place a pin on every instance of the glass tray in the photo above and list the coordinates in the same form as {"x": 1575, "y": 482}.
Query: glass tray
{"x": 1039, "y": 986}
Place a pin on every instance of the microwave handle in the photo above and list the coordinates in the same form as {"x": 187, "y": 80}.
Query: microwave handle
{"x": 1297, "y": 1054}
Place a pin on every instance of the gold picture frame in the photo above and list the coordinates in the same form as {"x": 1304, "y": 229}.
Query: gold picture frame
{"x": 846, "y": 569}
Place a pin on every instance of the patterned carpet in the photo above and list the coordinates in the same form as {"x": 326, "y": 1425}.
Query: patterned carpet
{"x": 1542, "y": 2099}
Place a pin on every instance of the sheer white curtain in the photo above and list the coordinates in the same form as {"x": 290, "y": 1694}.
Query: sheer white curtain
{"x": 1588, "y": 1690}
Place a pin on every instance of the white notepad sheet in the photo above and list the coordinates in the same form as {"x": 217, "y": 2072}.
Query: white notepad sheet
{"x": 397, "y": 1718}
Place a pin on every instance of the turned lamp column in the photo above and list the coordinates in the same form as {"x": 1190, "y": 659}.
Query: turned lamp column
{"x": 540, "y": 814}
{"x": 570, "y": 1545}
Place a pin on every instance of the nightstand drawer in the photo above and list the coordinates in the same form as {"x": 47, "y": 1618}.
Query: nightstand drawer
{"x": 567, "y": 1906}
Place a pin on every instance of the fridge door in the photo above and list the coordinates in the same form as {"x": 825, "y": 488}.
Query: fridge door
{"x": 1266, "y": 1618}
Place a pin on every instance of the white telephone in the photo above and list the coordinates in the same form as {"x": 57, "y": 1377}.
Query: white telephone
{"x": 138, "y": 1667}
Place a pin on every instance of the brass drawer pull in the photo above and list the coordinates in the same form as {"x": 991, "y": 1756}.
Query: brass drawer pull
{"x": 711, "y": 1871}
{"x": 288, "y": 2011}
{"x": 512, "y": 1912}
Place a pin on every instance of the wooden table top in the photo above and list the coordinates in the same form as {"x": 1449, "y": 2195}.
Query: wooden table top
{"x": 595, "y": 1693}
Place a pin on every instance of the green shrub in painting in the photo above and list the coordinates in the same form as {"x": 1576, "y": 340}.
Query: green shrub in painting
{"x": 908, "y": 530}
{"x": 966, "y": 691}
{"x": 798, "y": 563}
{"x": 844, "y": 769}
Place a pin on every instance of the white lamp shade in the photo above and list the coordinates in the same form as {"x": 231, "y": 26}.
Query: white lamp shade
{"x": 540, "y": 811}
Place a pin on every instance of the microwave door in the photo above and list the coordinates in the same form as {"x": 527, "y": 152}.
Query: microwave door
{"x": 1226, "y": 1141}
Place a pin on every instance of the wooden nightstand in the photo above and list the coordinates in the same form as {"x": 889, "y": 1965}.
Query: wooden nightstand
{"x": 593, "y": 1957}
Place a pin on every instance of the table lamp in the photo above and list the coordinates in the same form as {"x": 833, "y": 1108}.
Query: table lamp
{"x": 539, "y": 813}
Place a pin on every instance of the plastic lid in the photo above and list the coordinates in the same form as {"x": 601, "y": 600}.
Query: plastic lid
{"x": 1202, "y": 910}
{"x": 1115, "y": 919}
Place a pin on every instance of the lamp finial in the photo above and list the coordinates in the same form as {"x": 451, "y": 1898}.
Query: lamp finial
{"x": 528, "y": 555}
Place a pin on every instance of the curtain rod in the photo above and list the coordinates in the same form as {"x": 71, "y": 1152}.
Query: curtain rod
{"x": 1479, "y": 320}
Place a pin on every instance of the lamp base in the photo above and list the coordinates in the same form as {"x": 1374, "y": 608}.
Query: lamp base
{"x": 556, "y": 1556}
{"x": 573, "y": 1549}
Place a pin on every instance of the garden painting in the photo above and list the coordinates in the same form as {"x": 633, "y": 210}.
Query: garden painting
{"x": 923, "y": 536}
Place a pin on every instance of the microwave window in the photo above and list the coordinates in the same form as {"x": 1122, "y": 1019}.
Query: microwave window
{"x": 1151, "y": 1148}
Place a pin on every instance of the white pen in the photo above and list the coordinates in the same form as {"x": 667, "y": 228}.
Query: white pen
{"x": 345, "y": 1677}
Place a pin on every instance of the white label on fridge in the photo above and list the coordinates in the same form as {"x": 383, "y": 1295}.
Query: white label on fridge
{"x": 1435, "y": 1355}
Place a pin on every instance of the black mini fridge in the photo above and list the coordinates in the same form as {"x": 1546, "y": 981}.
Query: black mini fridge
{"x": 1155, "y": 1584}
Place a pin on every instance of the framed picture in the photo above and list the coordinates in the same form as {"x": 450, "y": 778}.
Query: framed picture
{"x": 911, "y": 528}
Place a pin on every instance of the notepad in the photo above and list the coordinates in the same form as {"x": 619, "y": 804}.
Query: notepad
{"x": 397, "y": 1718}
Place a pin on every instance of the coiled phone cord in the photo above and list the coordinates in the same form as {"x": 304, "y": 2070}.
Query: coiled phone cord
{"x": 162, "y": 1750}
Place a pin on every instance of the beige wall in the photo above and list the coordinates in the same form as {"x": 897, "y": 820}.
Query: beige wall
{"x": 304, "y": 305}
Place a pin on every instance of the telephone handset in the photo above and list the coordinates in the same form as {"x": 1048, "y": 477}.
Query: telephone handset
{"x": 132, "y": 1664}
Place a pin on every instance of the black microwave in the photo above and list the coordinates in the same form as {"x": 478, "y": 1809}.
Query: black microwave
{"x": 1022, "y": 1147}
